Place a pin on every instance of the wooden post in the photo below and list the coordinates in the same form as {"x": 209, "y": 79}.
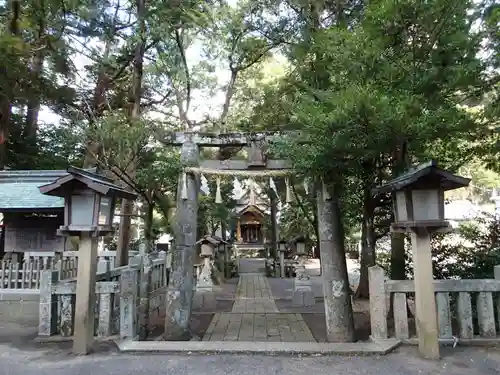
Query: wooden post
{"x": 85, "y": 294}
{"x": 238, "y": 231}
{"x": 497, "y": 277}
{"x": 425, "y": 302}
{"x": 282, "y": 263}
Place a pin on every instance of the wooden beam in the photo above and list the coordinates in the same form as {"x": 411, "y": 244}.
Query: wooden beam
{"x": 242, "y": 165}
{"x": 221, "y": 139}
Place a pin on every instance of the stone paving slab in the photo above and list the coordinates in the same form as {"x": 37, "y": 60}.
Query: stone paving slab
{"x": 363, "y": 348}
{"x": 258, "y": 327}
{"x": 253, "y": 295}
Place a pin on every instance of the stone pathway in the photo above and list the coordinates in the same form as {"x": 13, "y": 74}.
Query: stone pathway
{"x": 255, "y": 317}
{"x": 253, "y": 295}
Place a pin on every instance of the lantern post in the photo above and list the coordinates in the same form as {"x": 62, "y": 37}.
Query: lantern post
{"x": 89, "y": 204}
{"x": 303, "y": 294}
{"x": 418, "y": 202}
{"x": 282, "y": 249}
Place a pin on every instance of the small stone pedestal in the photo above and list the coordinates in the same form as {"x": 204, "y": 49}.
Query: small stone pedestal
{"x": 303, "y": 295}
{"x": 204, "y": 296}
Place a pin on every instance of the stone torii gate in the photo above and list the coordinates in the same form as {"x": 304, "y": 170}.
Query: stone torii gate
{"x": 181, "y": 288}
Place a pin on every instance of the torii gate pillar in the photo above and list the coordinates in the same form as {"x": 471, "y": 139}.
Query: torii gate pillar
{"x": 180, "y": 291}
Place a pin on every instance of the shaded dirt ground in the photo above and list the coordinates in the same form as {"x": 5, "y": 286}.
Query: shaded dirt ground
{"x": 317, "y": 325}
{"x": 198, "y": 326}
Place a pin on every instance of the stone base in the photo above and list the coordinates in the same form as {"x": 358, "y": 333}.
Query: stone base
{"x": 259, "y": 347}
{"x": 204, "y": 299}
{"x": 303, "y": 298}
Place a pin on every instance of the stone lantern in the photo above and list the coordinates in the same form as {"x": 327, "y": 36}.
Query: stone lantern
{"x": 418, "y": 198}
{"x": 89, "y": 201}
{"x": 205, "y": 283}
{"x": 303, "y": 294}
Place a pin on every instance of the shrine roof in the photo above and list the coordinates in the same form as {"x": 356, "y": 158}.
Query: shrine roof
{"x": 19, "y": 190}
{"x": 426, "y": 175}
{"x": 251, "y": 208}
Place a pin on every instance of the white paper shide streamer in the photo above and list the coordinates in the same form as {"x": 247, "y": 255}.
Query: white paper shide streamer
{"x": 184, "y": 193}
{"x": 288, "y": 190}
{"x": 272, "y": 185}
{"x": 218, "y": 196}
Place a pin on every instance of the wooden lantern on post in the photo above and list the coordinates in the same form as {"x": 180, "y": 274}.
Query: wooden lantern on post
{"x": 300, "y": 245}
{"x": 282, "y": 245}
{"x": 89, "y": 201}
{"x": 418, "y": 198}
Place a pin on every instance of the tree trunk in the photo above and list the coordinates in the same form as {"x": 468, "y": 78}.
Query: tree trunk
{"x": 367, "y": 244}
{"x": 398, "y": 259}
{"x": 180, "y": 293}
{"x": 33, "y": 109}
{"x": 134, "y": 115}
{"x": 398, "y": 251}
{"x": 274, "y": 223}
{"x": 102, "y": 86}
{"x": 223, "y": 229}
{"x": 148, "y": 225}
{"x": 6, "y": 95}
{"x": 338, "y": 309}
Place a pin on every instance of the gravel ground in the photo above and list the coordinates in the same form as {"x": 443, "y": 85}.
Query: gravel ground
{"x": 52, "y": 361}
{"x": 20, "y": 355}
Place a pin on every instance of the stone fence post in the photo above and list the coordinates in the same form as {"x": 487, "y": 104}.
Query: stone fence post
{"x": 103, "y": 265}
{"x": 144, "y": 291}
{"x": 47, "y": 324}
{"x": 378, "y": 306}
{"x": 497, "y": 277}
{"x": 128, "y": 299}
{"x": 163, "y": 255}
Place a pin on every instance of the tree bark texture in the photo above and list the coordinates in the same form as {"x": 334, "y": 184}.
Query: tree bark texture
{"x": 367, "y": 244}
{"x": 6, "y": 94}
{"x": 274, "y": 222}
{"x": 134, "y": 115}
{"x": 338, "y": 308}
{"x": 180, "y": 291}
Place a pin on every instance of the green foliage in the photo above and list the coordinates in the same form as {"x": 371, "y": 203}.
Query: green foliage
{"x": 211, "y": 215}
{"x": 476, "y": 261}
{"x": 470, "y": 253}
{"x": 371, "y": 88}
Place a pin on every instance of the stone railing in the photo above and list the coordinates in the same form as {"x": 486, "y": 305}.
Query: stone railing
{"x": 26, "y": 275}
{"x": 125, "y": 298}
{"x": 465, "y": 308}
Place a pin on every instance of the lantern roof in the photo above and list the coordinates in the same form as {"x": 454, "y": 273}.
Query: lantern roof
{"x": 213, "y": 240}
{"x": 298, "y": 238}
{"x": 424, "y": 176}
{"x": 78, "y": 178}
